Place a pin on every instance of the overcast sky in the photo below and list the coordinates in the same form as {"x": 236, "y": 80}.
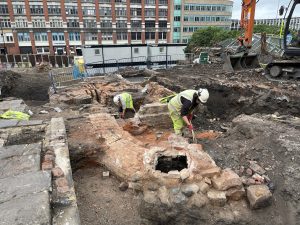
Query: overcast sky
{"x": 264, "y": 9}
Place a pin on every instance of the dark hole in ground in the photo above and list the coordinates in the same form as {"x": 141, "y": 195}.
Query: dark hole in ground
{"x": 26, "y": 136}
{"x": 169, "y": 163}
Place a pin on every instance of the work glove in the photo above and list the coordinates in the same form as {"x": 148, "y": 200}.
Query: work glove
{"x": 191, "y": 128}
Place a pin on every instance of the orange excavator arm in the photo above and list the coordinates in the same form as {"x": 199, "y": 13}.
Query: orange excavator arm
{"x": 247, "y": 22}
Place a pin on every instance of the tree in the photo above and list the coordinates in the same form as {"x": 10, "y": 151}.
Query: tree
{"x": 266, "y": 29}
{"x": 208, "y": 37}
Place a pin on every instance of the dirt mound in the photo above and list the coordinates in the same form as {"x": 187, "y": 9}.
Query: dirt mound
{"x": 30, "y": 86}
{"x": 8, "y": 81}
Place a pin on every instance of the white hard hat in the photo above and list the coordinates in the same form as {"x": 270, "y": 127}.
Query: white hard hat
{"x": 116, "y": 99}
{"x": 203, "y": 95}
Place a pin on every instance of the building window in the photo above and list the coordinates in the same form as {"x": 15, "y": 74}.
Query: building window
{"x": 73, "y": 23}
{"x": 56, "y": 23}
{"x": 106, "y": 24}
{"x": 21, "y": 23}
{"x": 136, "y": 24}
{"x": 42, "y": 50}
{"x": 163, "y": 2}
{"x": 40, "y": 37}
{"x": 3, "y": 9}
{"x": 149, "y": 12}
{"x": 54, "y": 10}
{"x": 136, "y": 50}
{"x": 71, "y": 10}
{"x": 74, "y": 36}
{"x": 91, "y": 36}
{"x": 150, "y": 35}
{"x": 149, "y": 24}
{"x": 177, "y": 7}
{"x": 121, "y": 24}
{"x": 5, "y": 23}
{"x": 36, "y": 9}
{"x": 177, "y": 18}
{"x": 9, "y": 37}
{"x": 106, "y": 36}
{"x": 120, "y": 11}
{"x": 135, "y": 1}
{"x": 149, "y": 2}
{"x": 58, "y": 36}
{"x": 176, "y": 29}
{"x": 104, "y": 1}
{"x": 163, "y": 12}
{"x": 134, "y": 12}
{"x": 105, "y": 11}
{"x": 162, "y": 35}
{"x": 121, "y": 35}
{"x": 162, "y": 24}
{"x": 38, "y": 23}
{"x": 19, "y": 9}
{"x": 89, "y": 23}
{"x": 135, "y": 36}
{"x": 88, "y": 11}
{"x": 22, "y": 37}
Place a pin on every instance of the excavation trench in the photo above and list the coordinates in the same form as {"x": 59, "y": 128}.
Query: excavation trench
{"x": 89, "y": 148}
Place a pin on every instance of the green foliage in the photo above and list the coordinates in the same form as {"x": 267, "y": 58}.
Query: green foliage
{"x": 267, "y": 29}
{"x": 208, "y": 37}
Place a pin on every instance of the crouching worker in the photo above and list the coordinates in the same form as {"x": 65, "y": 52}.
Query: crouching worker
{"x": 181, "y": 108}
{"x": 124, "y": 102}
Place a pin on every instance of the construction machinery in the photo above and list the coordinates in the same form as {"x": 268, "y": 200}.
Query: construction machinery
{"x": 289, "y": 65}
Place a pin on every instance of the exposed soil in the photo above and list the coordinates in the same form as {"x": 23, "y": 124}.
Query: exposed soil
{"x": 101, "y": 202}
{"x": 29, "y": 85}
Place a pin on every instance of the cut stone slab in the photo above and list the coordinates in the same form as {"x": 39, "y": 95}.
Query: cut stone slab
{"x": 227, "y": 179}
{"x": 16, "y": 165}
{"x": 203, "y": 187}
{"x": 8, "y": 123}
{"x": 217, "y": 198}
{"x": 19, "y": 150}
{"x": 198, "y": 200}
{"x": 259, "y": 196}
{"x": 15, "y": 105}
{"x": 30, "y": 122}
{"x": 32, "y": 209}
{"x": 25, "y": 184}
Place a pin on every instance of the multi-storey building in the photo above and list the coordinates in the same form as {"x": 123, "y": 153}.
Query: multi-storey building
{"x": 294, "y": 24}
{"x": 190, "y": 15}
{"x": 63, "y": 26}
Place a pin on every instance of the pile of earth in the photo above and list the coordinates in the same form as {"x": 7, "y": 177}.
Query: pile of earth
{"x": 30, "y": 86}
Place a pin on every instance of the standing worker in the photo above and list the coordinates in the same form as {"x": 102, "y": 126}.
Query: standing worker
{"x": 181, "y": 108}
{"x": 124, "y": 102}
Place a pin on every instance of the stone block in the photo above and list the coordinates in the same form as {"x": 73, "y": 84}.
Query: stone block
{"x": 227, "y": 179}
{"x": 259, "y": 196}
{"x": 8, "y": 123}
{"x": 30, "y": 122}
{"x": 235, "y": 194}
{"x": 151, "y": 197}
{"x": 15, "y": 105}
{"x": 47, "y": 165}
{"x": 189, "y": 189}
{"x": 217, "y": 198}
{"x": 32, "y": 209}
{"x": 198, "y": 200}
{"x": 24, "y": 184}
{"x": 163, "y": 195}
{"x": 19, "y": 150}
{"x": 153, "y": 108}
{"x": 16, "y": 165}
{"x": 184, "y": 174}
{"x": 203, "y": 187}
{"x": 57, "y": 172}
{"x": 211, "y": 172}
{"x": 256, "y": 168}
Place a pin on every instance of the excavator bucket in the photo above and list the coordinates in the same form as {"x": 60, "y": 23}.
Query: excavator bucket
{"x": 240, "y": 62}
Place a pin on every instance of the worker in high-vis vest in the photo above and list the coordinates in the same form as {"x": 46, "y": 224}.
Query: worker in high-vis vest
{"x": 182, "y": 105}
{"x": 124, "y": 102}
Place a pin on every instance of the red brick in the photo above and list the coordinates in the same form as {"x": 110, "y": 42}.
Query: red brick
{"x": 47, "y": 165}
{"x": 57, "y": 172}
